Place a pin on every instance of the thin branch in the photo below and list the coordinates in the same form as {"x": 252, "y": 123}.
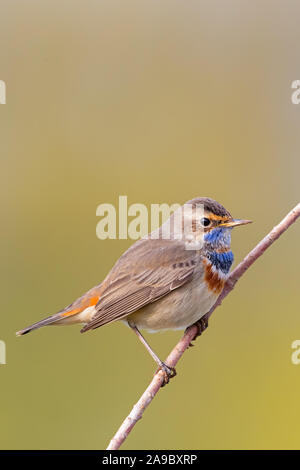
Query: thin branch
{"x": 158, "y": 380}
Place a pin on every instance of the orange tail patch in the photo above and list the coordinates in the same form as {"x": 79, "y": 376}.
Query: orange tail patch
{"x": 87, "y": 300}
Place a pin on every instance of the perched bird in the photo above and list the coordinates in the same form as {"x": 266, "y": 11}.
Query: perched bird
{"x": 168, "y": 279}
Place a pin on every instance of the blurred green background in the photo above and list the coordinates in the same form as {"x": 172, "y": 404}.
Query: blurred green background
{"x": 162, "y": 102}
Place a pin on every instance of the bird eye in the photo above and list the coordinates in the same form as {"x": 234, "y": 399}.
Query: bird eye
{"x": 205, "y": 222}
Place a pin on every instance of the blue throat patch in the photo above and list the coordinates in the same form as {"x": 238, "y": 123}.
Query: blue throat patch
{"x": 217, "y": 239}
{"x": 221, "y": 261}
{"x": 220, "y": 237}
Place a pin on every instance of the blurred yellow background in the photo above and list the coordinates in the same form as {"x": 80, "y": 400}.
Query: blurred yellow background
{"x": 162, "y": 102}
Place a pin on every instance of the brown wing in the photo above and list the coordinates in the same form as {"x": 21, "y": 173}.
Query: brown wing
{"x": 149, "y": 270}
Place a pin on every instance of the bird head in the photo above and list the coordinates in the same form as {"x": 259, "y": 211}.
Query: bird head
{"x": 208, "y": 223}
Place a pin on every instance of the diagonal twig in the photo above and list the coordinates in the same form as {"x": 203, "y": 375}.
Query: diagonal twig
{"x": 174, "y": 356}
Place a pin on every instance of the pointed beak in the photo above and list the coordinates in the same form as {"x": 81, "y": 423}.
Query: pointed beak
{"x": 235, "y": 223}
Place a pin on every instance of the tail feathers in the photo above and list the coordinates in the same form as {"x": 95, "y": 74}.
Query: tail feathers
{"x": 39, "y": 324}
{"x": 79, "y": 311}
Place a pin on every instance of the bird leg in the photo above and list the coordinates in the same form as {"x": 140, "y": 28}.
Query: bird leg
{"x": 168, "y": 371}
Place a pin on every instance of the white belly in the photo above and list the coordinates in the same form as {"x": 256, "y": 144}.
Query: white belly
{"x": 177, "y": 310}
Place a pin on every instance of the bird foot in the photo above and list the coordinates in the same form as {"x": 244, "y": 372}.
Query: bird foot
{"x": 168, "y": 372}
{"x": 201, "y": 324}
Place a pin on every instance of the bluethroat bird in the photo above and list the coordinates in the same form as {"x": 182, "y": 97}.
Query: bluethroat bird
{"x": 162, "y": 282}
